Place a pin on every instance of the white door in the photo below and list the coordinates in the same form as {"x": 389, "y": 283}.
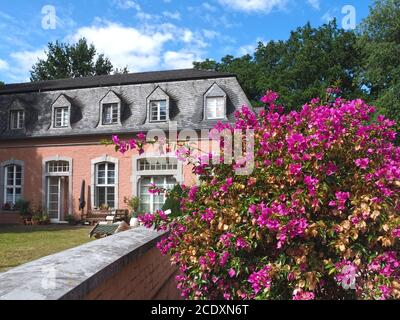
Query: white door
{"x": 54, "y": 198}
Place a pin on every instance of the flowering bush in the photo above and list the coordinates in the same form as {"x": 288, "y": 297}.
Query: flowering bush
{"x": 318, "y": 218}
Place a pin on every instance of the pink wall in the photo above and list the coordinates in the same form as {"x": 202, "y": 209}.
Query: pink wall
{"x": 33, "y": 154}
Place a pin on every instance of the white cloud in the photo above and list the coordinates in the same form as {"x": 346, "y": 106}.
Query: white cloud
{"x": 264, "y": 6}
{"x": 172, "y": 15}
{"x": 208, "y": 7}
{"x": 314, "y": 3}
{"x": 3, "y": 65}
{"x": 246, "y": 49}
{"x": 127, "y": 4}
{"x": 126, "y": 46}
{"x": 180, "y": 59}
{"x": 327, "y": 17}
{"x": 149, "y": 47}
{"x": 22, "y": 62}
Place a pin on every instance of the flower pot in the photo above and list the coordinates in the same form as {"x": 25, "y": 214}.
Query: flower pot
{"x": 134, "y": 223}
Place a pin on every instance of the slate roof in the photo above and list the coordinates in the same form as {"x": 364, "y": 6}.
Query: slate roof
{"x": 113, "y": 80}
{"x": 185, "y": 90}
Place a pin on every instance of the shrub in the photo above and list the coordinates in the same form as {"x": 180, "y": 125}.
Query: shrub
{"x": 173, "y": 201}
{"x": 318, "y": 218}
{"x": 24, "y": 207}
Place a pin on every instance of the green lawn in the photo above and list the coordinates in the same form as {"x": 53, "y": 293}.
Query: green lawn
{"x": 21, "y": 244}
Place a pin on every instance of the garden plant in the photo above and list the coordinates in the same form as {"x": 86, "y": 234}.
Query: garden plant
{"x": 318, "y": 217}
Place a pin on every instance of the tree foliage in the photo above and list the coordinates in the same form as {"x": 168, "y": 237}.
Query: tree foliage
{"x": 364, "y": 63}
{"x": 300, "y": 68}
{"x": 71, "y": 61}
{"x": 379, "y": 43}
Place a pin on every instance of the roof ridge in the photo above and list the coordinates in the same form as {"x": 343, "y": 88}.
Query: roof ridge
{"x": 112, "y": 80}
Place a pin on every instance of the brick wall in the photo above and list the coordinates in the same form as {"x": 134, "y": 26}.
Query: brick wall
{"x": 7, "y": 217}
{"x": 125, "y": 266}
{"x": 147, "y": 278}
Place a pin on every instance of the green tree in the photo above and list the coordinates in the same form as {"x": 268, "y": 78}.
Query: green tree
{"x": 300, "y": 68}
{"x": 380, "y": 43}
{"x": 70, "y": 61}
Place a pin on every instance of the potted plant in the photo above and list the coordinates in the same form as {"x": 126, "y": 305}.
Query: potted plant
{"x": 70, "y": 219}
{"x": 36, "y": 219}
{"x": 45, "y": 220}
{"x": 133, "y": 204}
{"x": 24, "y": 209}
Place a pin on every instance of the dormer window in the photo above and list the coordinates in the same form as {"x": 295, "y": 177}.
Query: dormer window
{"x": 61, "y": 112}
{"x": 215, "y": 100}
{"x": 110, "y": 113}
{"x": 158, "y": 111}
{"x": 215, "y": 108}
{"x": 17, "y": 119}
{"x": 61, "y": 117}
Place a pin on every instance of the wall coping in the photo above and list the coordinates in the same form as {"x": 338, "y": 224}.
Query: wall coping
{"x": 77, "y": 271}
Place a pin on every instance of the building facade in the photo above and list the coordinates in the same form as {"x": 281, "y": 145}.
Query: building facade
{"x": 51, "y": 132}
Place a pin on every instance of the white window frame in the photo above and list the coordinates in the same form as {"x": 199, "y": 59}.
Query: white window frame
{"x": 94, "y": 163}
{"x": 157, "y": 104}
{"x": 104, "y": 185}
{"x": 13, "y": 186}
{"x": 68, "y": 174}
{"x": 152, "y": 196}
{"x": 114, "y": 107}
{"x": 216, "y": 105}
{"x": 20, "y": 119}
{"x": 3, "y": 178}
{"x": 64, "y": 117}
{"x": 138, "y": 174}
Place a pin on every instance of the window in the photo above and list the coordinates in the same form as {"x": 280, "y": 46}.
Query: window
{"x": 13, "y": 184}
{"x": 158, "y": 111}
{"x": 58, "y": 167}
{"x": 110, "y": 113}
{"x": 17, "y": 119}
{"x": 155, "y": 164}
{"x": 105, "y": 185}
{"x": 61, "y": 117}
{"x": 215, "y": 108}
{"x": 153, "y": 202}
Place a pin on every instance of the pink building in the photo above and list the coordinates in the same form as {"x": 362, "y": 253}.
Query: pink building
{"x": 50, "y": 135}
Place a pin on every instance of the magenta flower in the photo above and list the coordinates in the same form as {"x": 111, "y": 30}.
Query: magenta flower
{"x": 208, "y": 215}
{"x": 269, "y": 97}
{"x": 141, "y": 136}
{"x": 241, "y": 243}
{"x": 232, "y": 273}
{"x": 396, "y": 233}
{"x": 362, "y": 163}
{"x": 115, "y": 139}
{"x": 192, "y": 193}
{"x": 260, "y": 280}
{"x": 295, "y": 169}
{"x": 224, "y": 259}
{"x": 299, "y": 294}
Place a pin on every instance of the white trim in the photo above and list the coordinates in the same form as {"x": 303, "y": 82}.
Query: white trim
{"x": 136, "y": 174}
{"x": 158, "y": 94}
{"x": 220, "y": 93}
{"x": 69, "y": 174}
{"x": 94, "y": 163}
{"x": 110, "y": 98}
{"x": 61, "y": 102}
{"x": 3, "y": 166}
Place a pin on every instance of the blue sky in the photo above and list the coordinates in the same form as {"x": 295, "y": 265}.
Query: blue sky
{"x": 155, "y": 34}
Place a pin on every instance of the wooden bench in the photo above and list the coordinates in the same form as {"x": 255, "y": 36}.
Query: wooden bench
{"x": 95, "y": 216}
